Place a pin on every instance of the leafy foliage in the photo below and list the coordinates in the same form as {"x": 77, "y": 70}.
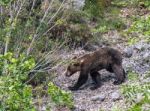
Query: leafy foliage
{"x": 5, "y": 2}
{"x": 142, "y": 26}
{"x": 127, "y": 3}
{"x": 122, "y": 3}
{"x": 14, "y": 93}
{"x": 96, "y": 7}
{"x": 60, "y": 97}
{"x": 136, "y": 93}
{"x": 109, "y": 24}
{"x": 15, "y": 65}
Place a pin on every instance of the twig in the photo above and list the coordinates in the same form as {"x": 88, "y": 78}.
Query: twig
{"x": 36, "y": 32}
{"x": 39, "y": 63}
{"x": 32, "y": 7}
{"x": 56, "y": 11}
{"x": 52, "y": 69}
{"x": 22, "y": 3}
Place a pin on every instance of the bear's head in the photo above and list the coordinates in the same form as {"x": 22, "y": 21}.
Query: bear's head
{"x": 72, "y": 68}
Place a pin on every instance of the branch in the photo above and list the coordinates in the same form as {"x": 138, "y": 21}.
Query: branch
{"x": 22, "y": 3}
{"x": 41, "y": 61}
{"x": 32, "y": 7}
{"x": 36, "y": 32}
{"x": 51, "y": 69}
{"x": 56, "y": 12}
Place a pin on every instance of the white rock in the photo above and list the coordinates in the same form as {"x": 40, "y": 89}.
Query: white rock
{"x": 115, "y": 96}
{"x": 78, "y": 4}
{"x": 98, "y": 98}
{"x": 128, "y": 52}
{"x": 43, "y": 108}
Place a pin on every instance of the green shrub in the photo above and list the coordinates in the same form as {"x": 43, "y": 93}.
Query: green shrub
{"x": 60, "y": 97}
{"x": 94, "y": 7}
{"x": 131, "y": 3}
{"x": 5, "y": 2}
{"x": 105, "y": 25}
{"x": 142, "y": 26}
{"x": 15, "y": 95}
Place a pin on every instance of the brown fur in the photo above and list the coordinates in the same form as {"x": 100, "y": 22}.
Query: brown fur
{"x": 104, "y": 58}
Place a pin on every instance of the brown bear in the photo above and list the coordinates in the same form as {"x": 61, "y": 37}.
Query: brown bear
{"x": 104, "y": 58}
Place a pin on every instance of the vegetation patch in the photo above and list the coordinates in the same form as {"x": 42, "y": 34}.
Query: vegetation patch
{"x": 60, "y": 97}
{"x": 106, "y": 25}
{"x": 141, "y": 26}
{"x": 136, "y": 92}
{"x": 14, "y": 93}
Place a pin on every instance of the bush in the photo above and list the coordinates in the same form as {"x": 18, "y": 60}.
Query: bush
{"x": 141, "y": 26}
{"x": 93, "y": 8}
{"x": 60, "y": 97}
{"x": 109, "y": 24}
{"x": 14, "y": 93}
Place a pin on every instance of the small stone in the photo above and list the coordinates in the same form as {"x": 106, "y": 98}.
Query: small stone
{"x": 98, "y": 98}
{"x": 140, "y": 46}
{"x": 78, "y": 4}
{"x": 128, "y": 52}
{"x": 43, "y": 108}
{"x": 146, "y": 57}
{"x": 115, "y": 96}
{"x": 147, "y": 54}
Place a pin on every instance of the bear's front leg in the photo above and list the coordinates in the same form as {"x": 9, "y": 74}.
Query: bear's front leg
{"x": 120, "y": 74}
{"x": 82, "y": 79}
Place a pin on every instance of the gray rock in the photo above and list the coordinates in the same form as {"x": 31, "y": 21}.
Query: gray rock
{"x": 43, "y": 108}
{"x": 98, "y": 97}
{"x": 142, "y": 46}
{"x": 146, "y": 58}
{"x": 139, "y": 47}
{"x": 78, "y": 4}
{"x": 128, "y": 52}
{"x": 115, "y": 96}
{"x": 147, "y": 54}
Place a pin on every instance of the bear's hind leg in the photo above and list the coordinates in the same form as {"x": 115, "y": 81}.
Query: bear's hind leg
{"x": 109, "y": 68}
{"x": 96, "y": 78}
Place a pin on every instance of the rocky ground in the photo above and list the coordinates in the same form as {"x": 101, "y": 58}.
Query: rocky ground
{"x": 108, "y": 96}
